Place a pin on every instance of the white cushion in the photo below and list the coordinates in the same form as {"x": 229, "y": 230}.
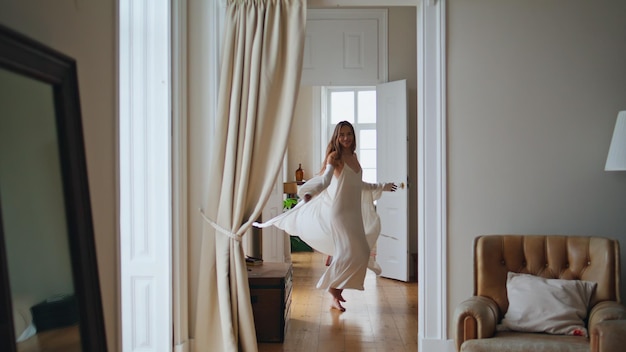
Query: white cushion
{"x": 552, "y": 306}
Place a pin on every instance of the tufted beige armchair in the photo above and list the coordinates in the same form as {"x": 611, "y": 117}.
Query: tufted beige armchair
{"x": 557, "y": 257}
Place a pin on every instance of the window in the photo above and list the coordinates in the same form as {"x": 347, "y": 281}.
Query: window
{"x": 356, "y": 105}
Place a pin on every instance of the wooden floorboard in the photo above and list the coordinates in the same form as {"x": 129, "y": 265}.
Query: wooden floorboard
{"x": 383, "y": 318}
{"x": 65, "y": 339}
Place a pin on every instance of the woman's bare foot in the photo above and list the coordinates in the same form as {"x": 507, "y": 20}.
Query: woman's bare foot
{"x": 336, "y": 293}
{"x": 337, "y": 305}
{"x": 341, "y": 296}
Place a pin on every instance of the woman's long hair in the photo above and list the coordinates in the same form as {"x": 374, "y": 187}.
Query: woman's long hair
{"x": 335, "y": 146}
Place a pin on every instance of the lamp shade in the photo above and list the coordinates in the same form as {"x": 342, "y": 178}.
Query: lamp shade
{"x": 290, "y": 187}
{"x": 616, "y": 160}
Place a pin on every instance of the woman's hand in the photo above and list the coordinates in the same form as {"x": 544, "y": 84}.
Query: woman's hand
{"x": 390, "y": 187}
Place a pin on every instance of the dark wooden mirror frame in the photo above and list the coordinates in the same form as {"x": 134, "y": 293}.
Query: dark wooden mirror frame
{"x": 30, "y": 58}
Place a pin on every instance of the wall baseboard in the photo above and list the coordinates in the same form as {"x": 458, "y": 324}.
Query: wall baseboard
{"x": 183, "y": 347}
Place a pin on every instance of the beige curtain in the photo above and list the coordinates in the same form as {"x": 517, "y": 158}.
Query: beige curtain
{"x": 260, "y": 78}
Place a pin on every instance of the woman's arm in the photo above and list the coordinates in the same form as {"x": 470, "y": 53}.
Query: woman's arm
{"x": 375, "y": 190}
{"x": 317, "y": 184}
{"x": 385, "y": 187}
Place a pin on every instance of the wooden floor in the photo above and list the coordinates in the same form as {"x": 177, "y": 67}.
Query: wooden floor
{"x": 65, "y": 339}
{"x": 382, "y": 318}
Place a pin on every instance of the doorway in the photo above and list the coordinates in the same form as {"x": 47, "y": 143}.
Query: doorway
{"x": 307, "y": 142}
{"x": 306, "y": 129}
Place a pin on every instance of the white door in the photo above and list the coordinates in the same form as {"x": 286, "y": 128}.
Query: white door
{"x": 391, "y": 165}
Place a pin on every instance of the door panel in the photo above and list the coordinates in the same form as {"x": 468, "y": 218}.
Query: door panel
{"x": 392, "y": 207}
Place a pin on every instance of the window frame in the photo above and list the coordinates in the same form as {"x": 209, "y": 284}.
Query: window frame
{"x": 328, "y": 126}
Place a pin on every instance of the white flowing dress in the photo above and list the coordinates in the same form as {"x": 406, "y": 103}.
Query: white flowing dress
{"x": 340, "y": 220}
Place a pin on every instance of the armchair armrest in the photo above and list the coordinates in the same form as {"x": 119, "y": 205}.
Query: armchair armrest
{"x": 608, "y": 335}
{"x": 475, "y": 318}
{"x": 607, "y": 310}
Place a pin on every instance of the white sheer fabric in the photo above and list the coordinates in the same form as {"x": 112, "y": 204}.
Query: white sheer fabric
{"x": 313, "y": 221}
{"x": 260, "y": 78}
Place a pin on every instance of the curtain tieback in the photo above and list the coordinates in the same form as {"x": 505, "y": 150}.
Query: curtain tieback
{"x": 218, "y": 228}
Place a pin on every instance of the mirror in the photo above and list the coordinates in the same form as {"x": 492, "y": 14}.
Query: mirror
{"x": 50, "y": 293}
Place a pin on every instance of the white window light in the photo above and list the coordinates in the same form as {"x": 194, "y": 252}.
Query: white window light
{"x": 616, "y": 160}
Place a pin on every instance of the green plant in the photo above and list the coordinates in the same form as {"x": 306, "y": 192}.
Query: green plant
{"x": 289, "y": 203}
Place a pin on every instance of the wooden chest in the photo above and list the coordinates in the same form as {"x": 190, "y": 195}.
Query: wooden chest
{"x": 270, "y": 292}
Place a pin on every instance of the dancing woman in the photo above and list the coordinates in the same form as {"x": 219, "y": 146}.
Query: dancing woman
{"x": 337, "y": 216}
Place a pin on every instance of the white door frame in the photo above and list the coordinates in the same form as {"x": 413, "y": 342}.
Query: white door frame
{"x": 145, "y": 175}
{"x": 432, "y": 173}
{"x": 432, "y": 178}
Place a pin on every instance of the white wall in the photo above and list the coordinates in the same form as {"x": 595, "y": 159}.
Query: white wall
{"x": 85, "y": 30}
{"x": 534, "y": 88}
{"x": 200, "y": 108}
{"x": 302, "y": 137}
